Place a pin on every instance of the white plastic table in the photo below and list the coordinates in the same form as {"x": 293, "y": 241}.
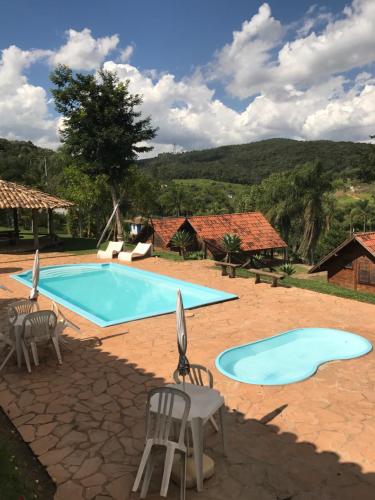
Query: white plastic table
{"x": 205, "y": 402}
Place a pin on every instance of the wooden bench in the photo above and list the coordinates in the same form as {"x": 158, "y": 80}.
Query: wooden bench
{"x": 228, "y": 269}
{"x": 275, "y": 276}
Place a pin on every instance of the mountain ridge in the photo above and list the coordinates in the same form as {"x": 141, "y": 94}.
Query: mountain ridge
{"x": 250, "y": 163}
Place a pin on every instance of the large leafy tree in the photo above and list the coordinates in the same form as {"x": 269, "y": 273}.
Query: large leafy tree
{"x": 102, "y": 127}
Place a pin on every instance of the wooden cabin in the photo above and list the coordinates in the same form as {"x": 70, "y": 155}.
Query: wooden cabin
{"x": 351, "y": 264}
{"x": 255, "y": 231}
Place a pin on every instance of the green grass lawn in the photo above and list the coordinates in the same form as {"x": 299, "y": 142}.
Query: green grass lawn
{"x": 21, "y": 475}
{"x": 315, "y": 285}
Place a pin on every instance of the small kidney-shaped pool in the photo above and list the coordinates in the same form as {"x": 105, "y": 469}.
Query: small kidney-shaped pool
{"x": 291, "y": 356}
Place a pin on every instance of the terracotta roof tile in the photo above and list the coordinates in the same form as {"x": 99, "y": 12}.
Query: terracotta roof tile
{"x": 167, "y": 227}
{"x": 253, "y": 228}
{"x": 367, "y": 240}
{"x": 17, "y": 196}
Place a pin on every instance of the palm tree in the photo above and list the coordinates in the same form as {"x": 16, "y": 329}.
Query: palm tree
{"x": 231, "y": 243}
{"x": 363, "y": 210}
{"x": 181, "y": 240}
{"x": 311, "y": 183}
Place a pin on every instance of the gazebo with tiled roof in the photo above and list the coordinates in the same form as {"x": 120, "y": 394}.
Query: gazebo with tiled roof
{"x": 15, "y": 196}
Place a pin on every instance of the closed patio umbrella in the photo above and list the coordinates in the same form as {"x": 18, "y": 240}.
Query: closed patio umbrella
{"x": 183, "y": 366}
{"x": 35, "y": 278}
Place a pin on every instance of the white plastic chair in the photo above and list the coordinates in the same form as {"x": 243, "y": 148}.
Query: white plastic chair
{"x": 199, "y": 375}
{"x": 9, "y": 341}
{"x": 62, "y": 323}
{"x": 40, "y": 328}
{"x": 16, "y": 313}
{"x": 113, "y": 249}
{"x": 141, "y": 250}
{"x": 159, "y": 434}
{"x": 18, "y": 309}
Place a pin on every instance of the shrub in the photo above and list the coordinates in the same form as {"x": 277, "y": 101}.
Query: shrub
{"x": 231, "y": 243}
{"x": 288, "y": 269}
{"x": 181, "y": 240}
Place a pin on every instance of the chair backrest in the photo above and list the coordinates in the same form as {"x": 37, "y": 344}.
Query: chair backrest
{"x": 142, "y": 248}
{"x": 115, "y": 246}
{"x": 19, "y": 307}
{"x": 159, "y": 423}
{"x": 39, "y": 326}
{"x": 198, "y": 375}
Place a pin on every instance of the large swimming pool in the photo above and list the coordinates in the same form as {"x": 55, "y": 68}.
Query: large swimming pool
{"x": 291, "y": 356}
{"x": 108, "y": 294}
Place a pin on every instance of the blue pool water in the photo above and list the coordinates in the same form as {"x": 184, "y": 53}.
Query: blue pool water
{"x": 108, "y": 294}
{"x": 289, "y": 357}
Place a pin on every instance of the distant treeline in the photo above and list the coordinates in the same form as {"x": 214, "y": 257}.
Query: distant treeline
{"x": 251, "y": 163}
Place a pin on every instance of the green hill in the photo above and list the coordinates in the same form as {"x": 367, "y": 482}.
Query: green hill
{"x": 22, "y": 161}
{"x": 250, "y": 163}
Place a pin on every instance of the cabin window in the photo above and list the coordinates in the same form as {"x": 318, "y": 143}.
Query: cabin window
{"x": 364, "y": 274}
{"x": 349, "y": 265}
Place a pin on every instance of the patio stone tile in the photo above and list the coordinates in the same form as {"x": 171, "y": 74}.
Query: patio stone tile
{"x": 41, "y": 419}
{"x": 97, "y": 479}
{"x": 93, "y": 492}
{"x": 37, "y": 408}
{"x": 110, "y": 446}
{"x": 62, "y": 429}
{"x": 69, "y": 490}
{"x": 120, "y": 488}
{"x": 26, "y": 398}
{"x": 22, "y": 419}
{"x": 76, "y": 458}
{"x": 55, "y": 456}
{"x": 27, "y": 432}
{"x": 58, "y": 473}
{"x": 71, "y": 438}
{"x": 66, "y": 417}
{"x": 101, "y": 400}
{"x": 97, "y": 435}
{"x": 48, "y": 398}
{"x": 89, "y": 467}
{"x": 56, "y": 407}
{"x": 42, "y": 445}
{"x": 100, "y": 386}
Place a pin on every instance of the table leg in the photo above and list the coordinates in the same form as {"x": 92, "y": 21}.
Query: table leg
{"x": 222, "y": 428}
{"x": 17, "y": 334}
{"x": 197, "y": 432}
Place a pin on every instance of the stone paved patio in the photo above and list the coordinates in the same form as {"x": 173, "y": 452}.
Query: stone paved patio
{"x": 305, "y": 441}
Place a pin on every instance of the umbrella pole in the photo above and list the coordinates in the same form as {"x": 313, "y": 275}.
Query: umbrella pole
{"x": 183, "y": 383}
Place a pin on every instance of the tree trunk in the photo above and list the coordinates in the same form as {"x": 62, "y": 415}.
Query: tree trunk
{"x": 119, "y": 229}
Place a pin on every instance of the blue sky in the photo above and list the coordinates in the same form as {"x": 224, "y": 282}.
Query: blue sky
{"x": 203, "y": 84}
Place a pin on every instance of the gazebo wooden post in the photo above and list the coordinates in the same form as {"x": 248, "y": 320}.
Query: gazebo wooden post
{"x": 34, "y": 214}
{"x": 50, "y": 221}
{"x": 15, "y": 222}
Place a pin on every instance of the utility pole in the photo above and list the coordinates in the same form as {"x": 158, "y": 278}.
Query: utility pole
{"x": 49, "y": 211}
{"x": 44, "y": 158}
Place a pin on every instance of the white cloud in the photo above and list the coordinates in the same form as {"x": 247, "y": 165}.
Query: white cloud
{"x": 82, "y": 51}
{"x": 254, "y": 65}
{"x": 245, "y": 63}
{"x": 24, "y": 112}
{"x": 126, "y": 53}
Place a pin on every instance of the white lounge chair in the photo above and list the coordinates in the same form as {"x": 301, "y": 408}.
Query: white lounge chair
{"x": 113, "y": 249}
{"x": 141, "y": 250}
